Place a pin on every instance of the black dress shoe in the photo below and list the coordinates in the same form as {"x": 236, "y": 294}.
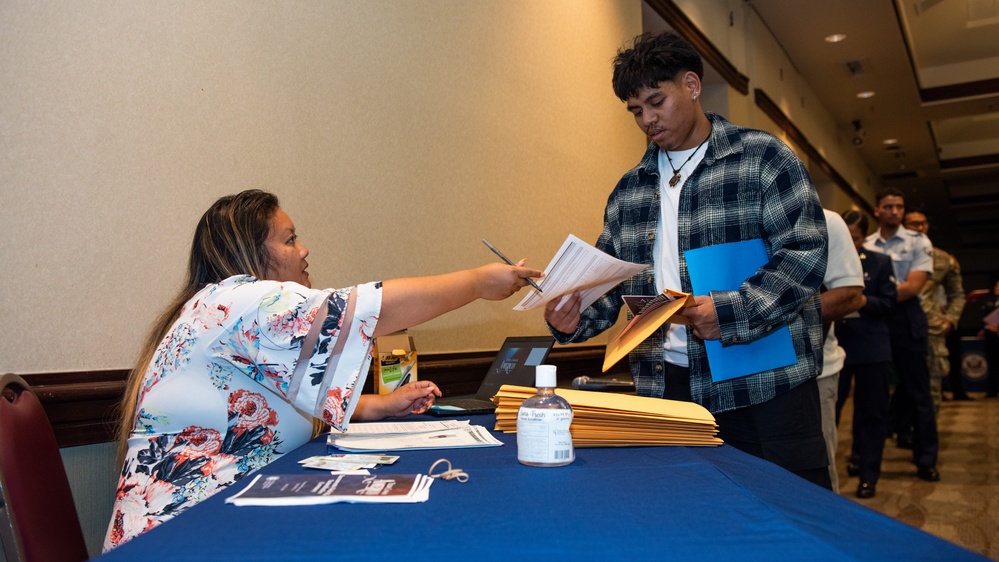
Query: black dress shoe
{"x": 928, "y": 473}
{"x": 865, "y": 490}
{"x": 962, "y": 397}
{"x": 853, "y": 469}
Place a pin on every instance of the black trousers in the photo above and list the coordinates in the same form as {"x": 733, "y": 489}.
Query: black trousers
{"x": 786, "y": 430}
{"x": 908, "y": 351}
{"x": 992, "y": 357}
{"x": 955, "y": 377}
{"x": 870, "y": 414}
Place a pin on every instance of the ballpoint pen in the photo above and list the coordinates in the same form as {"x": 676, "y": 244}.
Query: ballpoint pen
{"x": 405, "y": 377}
{"x": 508, "y": 262}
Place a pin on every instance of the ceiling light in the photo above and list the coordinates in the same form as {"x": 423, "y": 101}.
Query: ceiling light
{"x": 889, "y": 142}
{"x": 835, "y": 38}
{"x": 865, "y": 95}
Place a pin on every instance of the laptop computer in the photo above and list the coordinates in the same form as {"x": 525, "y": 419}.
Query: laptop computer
{"x": 514, "y": 364}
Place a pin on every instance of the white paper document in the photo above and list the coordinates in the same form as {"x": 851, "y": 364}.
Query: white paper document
{"x": 458, "y": 437}
{"x": 387, "y": 428}
{"x": 579, "y": 266}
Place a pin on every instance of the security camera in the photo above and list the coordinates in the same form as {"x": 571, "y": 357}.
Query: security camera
{"x": 858, "y": 134}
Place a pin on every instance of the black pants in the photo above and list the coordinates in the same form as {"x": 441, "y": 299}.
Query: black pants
{"x": 955, "y": 376}
{"x": 992, "y": 357}
{"x": 908, "y": 351}
{"x": 870, "y": 414}
{"x": 786, "y": 430}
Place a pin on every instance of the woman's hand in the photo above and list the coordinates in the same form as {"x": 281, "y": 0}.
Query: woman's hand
{"x": 498, "y": 281}
{"x": 414, "y": 398}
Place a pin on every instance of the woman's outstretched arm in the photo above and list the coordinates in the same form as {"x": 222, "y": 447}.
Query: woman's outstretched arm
{"x": 414, "y": 300}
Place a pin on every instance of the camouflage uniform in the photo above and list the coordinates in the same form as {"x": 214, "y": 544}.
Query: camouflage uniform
{"x": 942, "y": 299}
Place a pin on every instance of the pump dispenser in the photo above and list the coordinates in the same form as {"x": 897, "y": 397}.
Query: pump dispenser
{"x": 543, "y": 437}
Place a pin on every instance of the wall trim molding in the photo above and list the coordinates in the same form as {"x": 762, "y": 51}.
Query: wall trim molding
{"x": 679, "y": 21}
{"x": 82, "y": 405}
{"x": 982, "y": 160}
{"x": 774, "y": 112}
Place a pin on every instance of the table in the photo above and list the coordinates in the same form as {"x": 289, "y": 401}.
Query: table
{"x": 666, "y": 503}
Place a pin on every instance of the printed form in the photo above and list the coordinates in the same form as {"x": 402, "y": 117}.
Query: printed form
{"x": 578, "y": 266}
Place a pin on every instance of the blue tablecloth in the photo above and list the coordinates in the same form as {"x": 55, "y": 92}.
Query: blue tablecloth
{"x": 667, "y": 503}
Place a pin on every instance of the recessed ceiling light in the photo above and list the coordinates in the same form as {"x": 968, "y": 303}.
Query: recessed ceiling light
{"x": 835, "y": 38}
{"x": 865, "y": 95}
{"x": 889, "y": 142}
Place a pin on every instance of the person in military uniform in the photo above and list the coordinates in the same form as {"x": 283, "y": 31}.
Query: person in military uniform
{"x": 912, "y": 404}
{"x": 942, "y": 299}
{"x": 990, "y": 332}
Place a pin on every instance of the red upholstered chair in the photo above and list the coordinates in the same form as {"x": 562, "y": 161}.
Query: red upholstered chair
{"x": 38, "y": 520}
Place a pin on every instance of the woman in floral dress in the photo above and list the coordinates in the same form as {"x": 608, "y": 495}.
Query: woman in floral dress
{"x": 247, "y": 359}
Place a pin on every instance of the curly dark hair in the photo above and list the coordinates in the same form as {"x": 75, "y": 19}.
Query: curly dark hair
{"x": 653, "y": 59}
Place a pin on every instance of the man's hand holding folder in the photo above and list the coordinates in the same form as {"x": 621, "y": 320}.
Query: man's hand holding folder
{"x": 649, "y": 314}
{"x": 700, "y": 315}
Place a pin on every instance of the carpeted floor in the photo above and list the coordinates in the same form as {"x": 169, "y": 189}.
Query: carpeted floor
{"x": 964, "y": 506}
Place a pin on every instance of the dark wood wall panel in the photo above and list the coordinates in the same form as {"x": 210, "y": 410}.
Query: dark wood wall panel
{"x": 675, "y": 18}
{"x": 82, "y": 405}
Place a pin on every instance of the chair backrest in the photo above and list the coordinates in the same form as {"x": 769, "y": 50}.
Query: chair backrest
{"x": 38, "y": 519}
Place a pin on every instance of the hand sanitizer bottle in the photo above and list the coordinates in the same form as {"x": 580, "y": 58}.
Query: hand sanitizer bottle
{"x": 543, "y": 437}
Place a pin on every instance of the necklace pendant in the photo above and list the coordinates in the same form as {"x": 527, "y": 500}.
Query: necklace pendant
{"x": 674, "y": 180}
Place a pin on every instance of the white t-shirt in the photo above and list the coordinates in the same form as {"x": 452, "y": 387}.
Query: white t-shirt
{"x": 843, "y": 269}
{"x": 666, "y": 248}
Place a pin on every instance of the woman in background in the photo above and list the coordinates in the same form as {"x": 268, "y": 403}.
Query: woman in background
{"x": 990, "y": 333}
{"x": 864, "y": 337}
{"x": 247, "y": 359}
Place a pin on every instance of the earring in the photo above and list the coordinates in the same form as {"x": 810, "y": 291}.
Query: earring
{"x": 694, "y": 98}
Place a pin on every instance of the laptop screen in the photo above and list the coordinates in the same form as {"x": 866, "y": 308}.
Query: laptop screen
{"x": 515, "y": 363}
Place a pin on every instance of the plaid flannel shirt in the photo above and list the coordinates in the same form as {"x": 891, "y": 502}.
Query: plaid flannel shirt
{"x": 749, "y": 185}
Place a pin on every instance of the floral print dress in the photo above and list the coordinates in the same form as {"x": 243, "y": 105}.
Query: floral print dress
{"x": 234, "y": 385}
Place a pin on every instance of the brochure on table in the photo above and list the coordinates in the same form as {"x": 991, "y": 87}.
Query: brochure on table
{"x": 314, "y": 489}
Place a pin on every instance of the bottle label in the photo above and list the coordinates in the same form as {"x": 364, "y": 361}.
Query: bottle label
{"x": 543, "y": 436}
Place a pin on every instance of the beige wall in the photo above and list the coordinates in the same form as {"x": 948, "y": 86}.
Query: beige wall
{"x": 397, "y": 134}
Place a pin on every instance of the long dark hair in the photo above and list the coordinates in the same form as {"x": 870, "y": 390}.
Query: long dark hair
{"x": 229, "y": 240}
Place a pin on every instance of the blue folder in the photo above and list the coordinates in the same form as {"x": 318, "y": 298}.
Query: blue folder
{"x": 725, "y": 267}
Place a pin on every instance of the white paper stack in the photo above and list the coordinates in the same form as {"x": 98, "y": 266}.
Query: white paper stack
{"x": 445, "y": 434}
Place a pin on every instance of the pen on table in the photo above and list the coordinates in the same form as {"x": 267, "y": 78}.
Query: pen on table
{"x": 508, "y": 262}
